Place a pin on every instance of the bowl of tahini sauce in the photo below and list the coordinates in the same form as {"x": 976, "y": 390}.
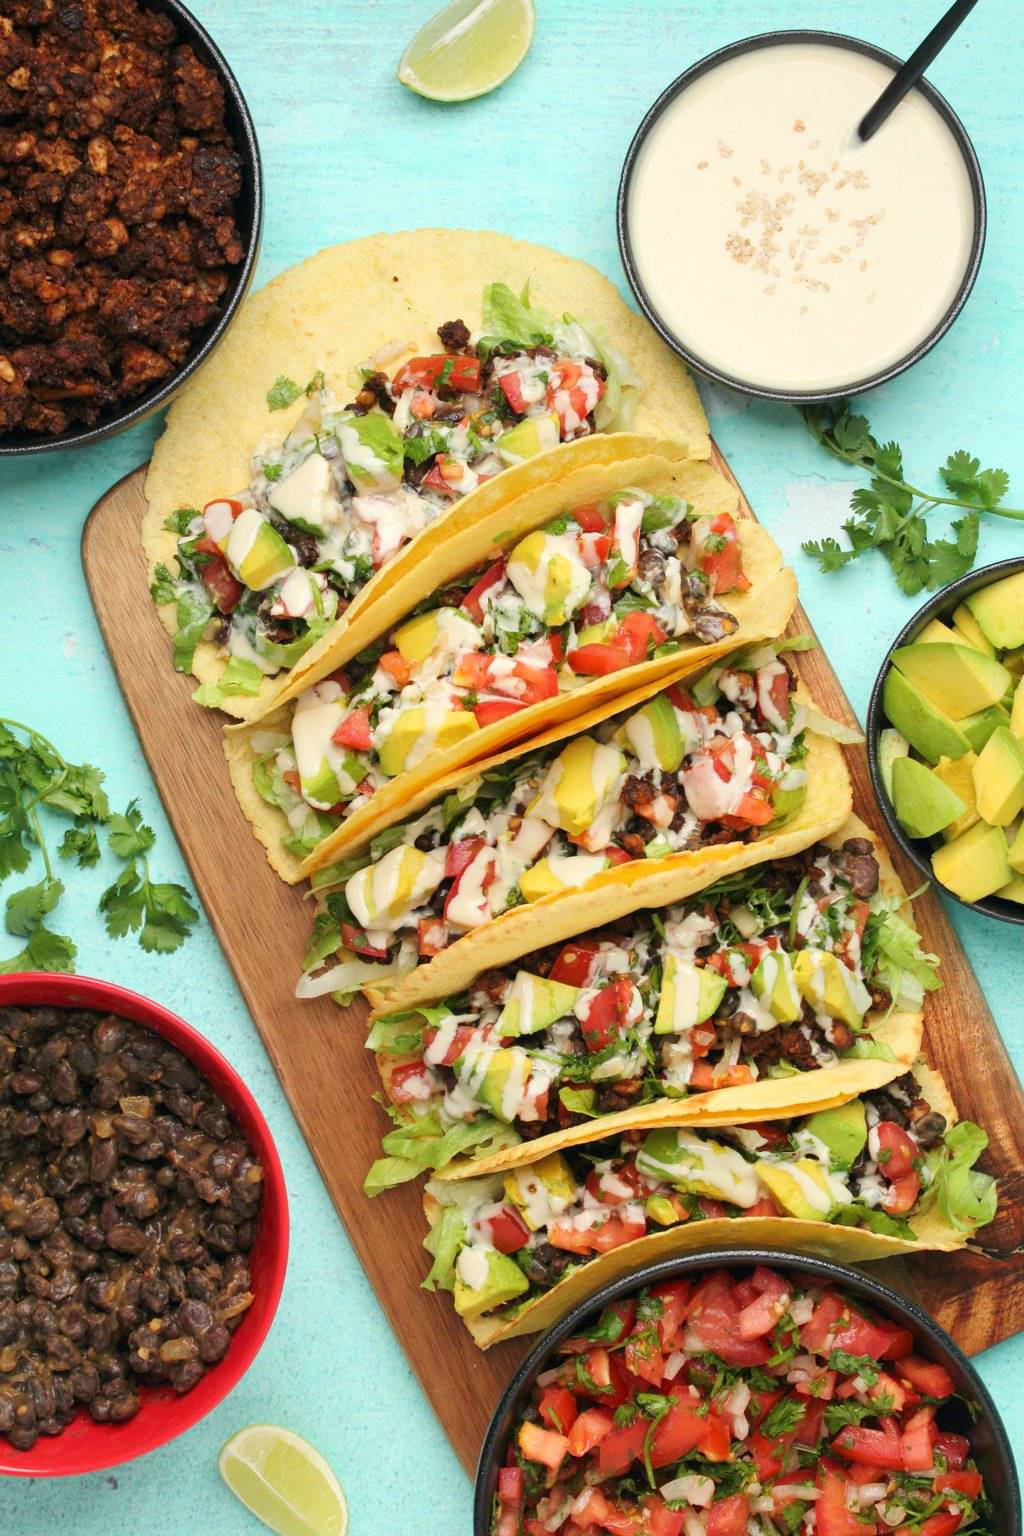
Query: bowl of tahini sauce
{"x": 774, "y": 250}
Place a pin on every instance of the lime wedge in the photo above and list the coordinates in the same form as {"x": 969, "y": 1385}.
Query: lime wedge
{"x": 468, "y": 48}
{"x": 282, "y": 1481}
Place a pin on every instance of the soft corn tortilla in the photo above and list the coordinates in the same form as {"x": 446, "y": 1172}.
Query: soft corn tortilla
{"x": 615, "y": 892}
{"x": 334, "y": 312}
{"x": 762, "y": 612}
{"x": 846, "y": 1245}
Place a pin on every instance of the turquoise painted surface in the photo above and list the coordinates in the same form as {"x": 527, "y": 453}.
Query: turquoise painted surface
{"x": 348, "y": 152}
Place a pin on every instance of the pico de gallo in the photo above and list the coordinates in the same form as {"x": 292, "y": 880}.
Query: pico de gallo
{"x": 742, "y": 1404}
{"x": 875, "y": 1163}
{"x": 265, "y": 570}
{"x": 599, "y": 590}
{"x": 713, "y": 763}
{"x": 782, "y": 968}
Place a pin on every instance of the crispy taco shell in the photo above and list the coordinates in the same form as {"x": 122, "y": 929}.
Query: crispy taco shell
{"x": 333, "y": 312}
{"x": 847, "y": 1245}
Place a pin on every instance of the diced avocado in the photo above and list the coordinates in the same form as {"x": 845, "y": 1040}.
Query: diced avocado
{"x": 409, "y": 729}
{"x": 660, "y": 1210}
{"x": 698, "y": 1165}
{"x": 416, "y": 639}
{"x": 268, "y": 558}
{"x": 957, "y": 679}
{"x": 373, "y": 451}
{"x": 774, "y": 983}
{"x": 502, "y": 1282}
{"x": 927, "y": 729}
{"x": 689, "y": 994}
{"x": 306, "y": 496}
{"x": 596, "y": 634}
{"x": 969, "y": 628}
{"x": 535, "y": 1189}
{"x": 534, "y": 1002}
{"x": 922, "y": 802}
{"x": 1013, "y": 890}
{"x": 536, "y": 434}
{"x": 830, "y": 987}
{"x": 502, "y": 1064}
{"x": 539, "y": 880}
{"x": 999, "y": 778}
{"x": 891, "y": 745}
{"x": 785, "y": 804}
{"x": 789, "y": 1185}
{"x": 974, "y": 864}
{"x": 936, "y": 633}
{"x": 844, "y": 1130}
{"x": 958, "y": 775}
{"x": 1017, "y": 712}
{"x": 578, "y": 784}
{"x": 979, "y": 727}
{"x": 322, "y": 788}
{"x": 1016, "y": 850}
{"x": 999, "y": 610}
{"x": 653, "y": 733}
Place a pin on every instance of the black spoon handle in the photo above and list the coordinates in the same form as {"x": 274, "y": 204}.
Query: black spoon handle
{"x": 910, "y": 73}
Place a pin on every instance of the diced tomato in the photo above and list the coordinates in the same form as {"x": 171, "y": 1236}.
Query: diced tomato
{"x": 508, "y": 1231}
{"x": 589, "y": 1429}
{"x": 623, "y": 1445}
{"x": 490, "y": 581}
{"x": 901, "y": 1343}
{"x": 968, "y": 1483}
{"x": 440, "y": 370}
{"x": 638, "y": 633}
{"x": 396, "y": 666}
{"x": 423, "y": 407}
{"x": 355, "y": 939}
{"x": 489, "y": 873}
{"x": 716, "y": 1440}
{"x": 589, "y": 519}
{"x": 574, "y": 962}
{"x": 218, "y": 580}
{"x": 778, "y": 698}
{"x": 487, "y": 711}
{"x": 527, "y": 684}
{"x": 644, "y": 1359}
{"x": 714, "y": 1324}
{"x": 599, "y": 660}
{"x": 567, "y": 396}
{"x": 832, "y": 1517}
{"x": 464, "y": 1034}
{"x": 678, "y": 1433}
{"x": 431, "y": 937}
{"x": 410, "y": 1082}
{"x": 942, "y": 1524}
{"x": 594, "y": 551}
{"x": 728, "y": 1517}
{"x": 766, "y": 1206}
{"x": 898, "y": 1150}
{"x": 616, "y": 855}
{"x": 702, "y": 1079}
{"x": 436, "y": 480}
{"x": 597, "y": 1511}
{"x": 512, "y": 388}
{"x": 510, "y": 1501}
{"x": 874, "y": 1447}
{"x": 901, "y": 1196}
{"x": 627, "y": 1175}
{"x": 624, "y": 1315}
{"x": 954, "y": 1450}
{"x": 606, "y": 1013}
{"x": 460, "y": 854}
{"x": 930, "y": 1379}
{"x": 614, "y": 1232}
{"x": 724, "y": 566}
{"x": 558, "y": 1410}
{"x": 770, "y": 1452}
{"x": 823, "y": 1386}
{"x": 835, "y": 1325}
{"x": 659, "y": 1520}
{"x": 917, "y": 1442}
{"x": 891, "y": 1391}
{"x": 751, "y": 811}
{"x": 674, "y": 1296}
{"x": 760, "y": 1315}
{"x": 354, "y": 730}
{"x": 543, "y": 1445}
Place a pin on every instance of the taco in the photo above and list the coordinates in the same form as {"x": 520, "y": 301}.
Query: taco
{"x": 638, "y": 809}
{"x": 786, "y": 987}
{"x": 335, "y": 424}
{"x": 886, "y": 1173}
{"x": 623, "y": 588}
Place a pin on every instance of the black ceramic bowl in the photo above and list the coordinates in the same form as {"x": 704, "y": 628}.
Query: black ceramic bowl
{"x": 956, "y": 127}
{"x": 249, "y": 218}
{"x": 918, "y": 850}
{"x": 989, "y": 1442}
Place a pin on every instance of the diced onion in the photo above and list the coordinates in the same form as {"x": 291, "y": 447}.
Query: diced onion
{"x": 349, "y": 976}
{"x": 674, "y": 1364}
{"x": 693, "y": 1488}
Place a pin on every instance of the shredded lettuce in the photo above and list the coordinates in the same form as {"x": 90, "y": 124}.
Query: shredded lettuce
{"x": 579, "y": 1101}
{"x": 904, "y": 968}
{"x": 192, "y": 615}
{"x": 400, "y": 1033}
{"x": 423, "y": 1143}
{"x": 239, "y": 677}
{"x": 866, "y": 1049}
{"x": 966, "y": 1198}
{"x": 507, "y": 318}
{"x": 443, "y": 1242}
{"x": 860, "y": 1215}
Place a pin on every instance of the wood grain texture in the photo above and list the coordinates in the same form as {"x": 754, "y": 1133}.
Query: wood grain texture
{"x": 329, "y": 1077}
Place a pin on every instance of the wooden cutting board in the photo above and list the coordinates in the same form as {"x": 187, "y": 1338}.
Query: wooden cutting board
{"x": 330, "y": 1078}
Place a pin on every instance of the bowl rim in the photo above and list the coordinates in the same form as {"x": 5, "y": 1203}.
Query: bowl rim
{"x": 45, "y": 988}
{"x": 244, "y": 136}
{"x": 917, "y": 849}
{"x": 875, "y": 1292}
{"x": 931, "y": 94}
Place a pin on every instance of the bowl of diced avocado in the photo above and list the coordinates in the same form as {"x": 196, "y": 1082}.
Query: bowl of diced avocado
{"x": 946, "y": 740}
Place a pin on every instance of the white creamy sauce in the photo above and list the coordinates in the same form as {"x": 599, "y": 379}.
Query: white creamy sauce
{"x": 777, "y": 246}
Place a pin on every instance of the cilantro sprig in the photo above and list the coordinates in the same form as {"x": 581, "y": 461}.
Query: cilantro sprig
{"x": 891, "y": 515}
{"x": 36, "y": 779}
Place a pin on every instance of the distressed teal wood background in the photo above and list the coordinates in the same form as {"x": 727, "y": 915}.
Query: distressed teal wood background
{"x": 348, "y": 152}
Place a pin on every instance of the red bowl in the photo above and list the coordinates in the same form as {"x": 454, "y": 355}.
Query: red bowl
{"x": 86, "y": 1446}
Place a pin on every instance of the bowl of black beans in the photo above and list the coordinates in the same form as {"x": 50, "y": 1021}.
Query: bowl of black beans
{"x": 143, "y": 1226}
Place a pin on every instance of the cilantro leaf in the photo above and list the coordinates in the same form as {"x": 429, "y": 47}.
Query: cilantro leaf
{"x": 27, "y": 907}
{"x": 45, "y": 951}
{"x": 128, "y": 834}
{"x": 282, "y": 393}
{"x": 80, "y": 792}
{"x": 163, "y": 588}
{"x": 81, "y": 844}
{"x": 179, "y": 520}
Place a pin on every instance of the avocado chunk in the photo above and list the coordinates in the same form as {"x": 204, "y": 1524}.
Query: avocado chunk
{"x": 830, "y": 987}
{"x": 999, "y": 610}
{"x": 546, "y": 878}
{"x": 415, "y": 733}
{"x": 698, "y": 1166}
{"x": 267, "y": 558}
{"x": 957, "y": 679}
{"x": 936, "y": 633}
{"x": 372, "y": 449}
{"x": 1013, "y": 890}
{"x": 928, "y": 730}
{"x": 579, "y": 784}
{"x": 979, "y": 727}
{"x": 653, "y": 733}
{"x": 1017, "y": 712}
{"x": 689, "y": 994}
{"x": 1016, "y": 851}
{"x": 532, "y": 1003}
{"x": 774, "y": 983}
{"x": 415, "y": 640}
{"x": 891, "y": 745}
{"x": 501, "y": 1280}
{"x": 922, "y": 802}
{"x": 534, "y": 435}
{"x": 660, "y": 1210}
{"x": 968, "y": 628}
{"x": 957, "y": 773}
{"x": 785, "y": 804}
{"x": 974, "y": 864}
{"x": 801, "y": 1187}
{"x": 595, "y": 634}
{"x": 999, "y": 778}
{"x": 844, "y": 1130}
{"x": 541, "y": 1189}
{"x": 506, "y": 1072}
